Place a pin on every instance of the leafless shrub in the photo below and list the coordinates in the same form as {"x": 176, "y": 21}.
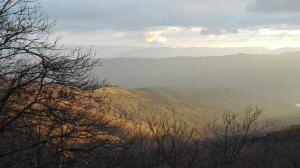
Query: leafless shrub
{"x": 232, "y": 135}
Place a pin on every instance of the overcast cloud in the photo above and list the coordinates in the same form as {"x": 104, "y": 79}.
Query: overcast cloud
{"x": 275, "y": 6}
{"x": 162, "y": 22}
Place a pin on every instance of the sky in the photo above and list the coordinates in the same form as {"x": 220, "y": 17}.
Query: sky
{"x": 177, "y": 23}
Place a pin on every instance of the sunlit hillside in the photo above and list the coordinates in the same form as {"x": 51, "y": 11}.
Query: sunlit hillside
{"x": 197, "y": 106}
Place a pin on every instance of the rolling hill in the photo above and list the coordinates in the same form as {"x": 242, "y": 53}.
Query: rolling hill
{"x": 195, "y": 106}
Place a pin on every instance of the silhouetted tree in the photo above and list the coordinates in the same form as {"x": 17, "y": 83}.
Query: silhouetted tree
{"x": 49, "y": 116}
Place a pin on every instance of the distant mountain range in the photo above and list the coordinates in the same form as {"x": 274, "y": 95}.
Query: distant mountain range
{"x": 164, "y": 52}
{"x": 266, "y": 73}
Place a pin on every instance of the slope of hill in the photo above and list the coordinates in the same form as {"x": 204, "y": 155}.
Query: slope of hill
{"x": 277, "y": 148}
{"x": 196, "y": 106}
{"x": 142, "y": 104}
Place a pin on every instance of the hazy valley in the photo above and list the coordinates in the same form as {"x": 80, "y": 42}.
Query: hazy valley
{"x": 208, "y": 85}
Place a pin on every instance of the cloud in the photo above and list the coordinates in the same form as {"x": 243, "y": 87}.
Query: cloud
{"x": 275, "y": 6}
{"x": 271, "y": 37}
{"x": 177, "y": 23}
{"x": 82, "y": 15}
{"x": 218, "y": 16}
{"x": 101, "y": 37}
{"x": 157, "y": 36}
